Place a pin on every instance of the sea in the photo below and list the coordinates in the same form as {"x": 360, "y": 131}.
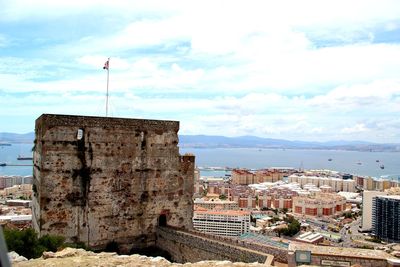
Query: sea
{"x": 352, "y": 162}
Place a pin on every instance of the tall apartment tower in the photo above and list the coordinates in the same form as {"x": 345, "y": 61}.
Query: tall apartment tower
{"x": 99, "y": 180}
{"x": 367, "y": 206}
{"x": 386, "y": 218}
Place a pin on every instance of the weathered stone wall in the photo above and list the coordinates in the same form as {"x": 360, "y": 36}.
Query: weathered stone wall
{"x": 190, "y": 247}
{"x": 113, "y": 183}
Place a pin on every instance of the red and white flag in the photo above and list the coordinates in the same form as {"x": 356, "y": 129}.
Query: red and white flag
{"x": 106, "y": 65}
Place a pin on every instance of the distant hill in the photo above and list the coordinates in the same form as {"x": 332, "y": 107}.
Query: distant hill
{"x": 17, "y": 138}
{"x": 207, "y": 141}
{"x": 216, "y": 141}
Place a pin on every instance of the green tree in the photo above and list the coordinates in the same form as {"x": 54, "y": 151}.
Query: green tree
{"x": 222, "y": 197}
{"x": 348, "y": 215}
{"x": 293, "y": 226}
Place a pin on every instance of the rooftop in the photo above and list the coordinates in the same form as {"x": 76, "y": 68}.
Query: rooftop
{"x": 262, "y": 239}
{"x": 222, "y": 212}
{"x": 341, "y": 251}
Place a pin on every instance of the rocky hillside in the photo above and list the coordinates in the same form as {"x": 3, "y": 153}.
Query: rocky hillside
{"x": 79, "y": 257}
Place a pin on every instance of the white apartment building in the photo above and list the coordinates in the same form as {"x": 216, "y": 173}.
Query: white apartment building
{"x": 337, "y": 184}
{"x": 366, "y": 220}
{"x": 349, "y": 186}
{"x": 221, "y": 222}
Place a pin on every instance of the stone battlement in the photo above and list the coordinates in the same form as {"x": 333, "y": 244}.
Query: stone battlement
{"x": 52, "y": 120}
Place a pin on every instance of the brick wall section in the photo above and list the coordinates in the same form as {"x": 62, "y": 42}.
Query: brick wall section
{"x": 192, "y": 246}
{"x": 111, "y": 185}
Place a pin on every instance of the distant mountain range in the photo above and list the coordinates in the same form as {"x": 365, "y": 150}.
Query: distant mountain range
{"x": 215, "y": 141}
{"x": 207, "y": 141}
{"x": 17, "y": 138}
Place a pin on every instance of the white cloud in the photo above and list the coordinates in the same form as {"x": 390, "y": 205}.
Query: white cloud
{"x": 377, "y": 95}
{"x": 358, "y": 128}
{"x": 278, "y": 69}
{"x": 4, "y": 41}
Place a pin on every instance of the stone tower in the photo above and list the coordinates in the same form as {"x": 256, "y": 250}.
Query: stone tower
{"x": 99, "y": 180}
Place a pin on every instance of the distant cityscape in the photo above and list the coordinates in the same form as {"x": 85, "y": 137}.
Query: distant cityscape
{"x": 109, "y": 183}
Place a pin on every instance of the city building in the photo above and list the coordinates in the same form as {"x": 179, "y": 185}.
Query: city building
{"x": 277, "y": 198}
{"x": 17, "y": 191}
{"x": 242, "y": 177}
{"x": 386, "y": 218}
{"x": 216, "y": 204}
{"x": 319, "y": 204}
{"x": 221, "y": 222}
{"x": 310, "y": 238}
{"x": 11, "y": 180}
{"x": 366, "y": 219}
{"x": 372, "y": 184}
{"x": 269, "y": 175}
{"x": 336, "y": 184}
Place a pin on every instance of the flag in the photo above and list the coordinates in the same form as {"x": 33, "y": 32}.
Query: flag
{"x": 106, "y": 65}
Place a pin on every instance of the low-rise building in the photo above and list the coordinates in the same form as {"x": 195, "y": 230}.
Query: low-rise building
{"x": 11, "y": 180}
{"x": 319, "y": 204}
{"x": 335, "y": 184}
{"x": 221, "y": 222}
{"x": 216, "y": 204}
{"x": 17, "y": 191}
{"x": 310, "y": 238}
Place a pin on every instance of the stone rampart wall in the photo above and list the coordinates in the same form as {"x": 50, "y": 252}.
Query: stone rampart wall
{"x": 190, "y": 247}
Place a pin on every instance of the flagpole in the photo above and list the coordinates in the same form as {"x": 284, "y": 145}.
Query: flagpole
{"x": 108, "y": 76}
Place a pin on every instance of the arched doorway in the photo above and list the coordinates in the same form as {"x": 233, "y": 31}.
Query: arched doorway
{"x": 162, "y": 220}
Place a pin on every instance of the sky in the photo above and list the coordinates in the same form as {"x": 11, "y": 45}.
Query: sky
{"x": 296, "y": 70}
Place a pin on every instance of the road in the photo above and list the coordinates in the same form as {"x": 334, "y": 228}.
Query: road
{"x": 351, "y": 232}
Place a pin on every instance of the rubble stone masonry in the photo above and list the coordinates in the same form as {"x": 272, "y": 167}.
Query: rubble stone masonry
{"x": 99, "y": 180}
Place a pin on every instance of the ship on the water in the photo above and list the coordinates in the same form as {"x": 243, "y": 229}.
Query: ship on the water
{"x": 5, "y": 144}
{"x": 24, "y": 158}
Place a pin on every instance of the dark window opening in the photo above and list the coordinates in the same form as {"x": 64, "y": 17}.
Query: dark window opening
{"x": 162, "y": 220}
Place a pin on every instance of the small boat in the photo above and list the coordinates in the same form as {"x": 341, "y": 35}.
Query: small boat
{"x": 382, "y": 166}
{"x": 377, "y": 160}
{"x": 359, "y": 163}
{"x": 24, "y": 158}
{"x": 329, "y": 159}
{"x": 2, "y": 164}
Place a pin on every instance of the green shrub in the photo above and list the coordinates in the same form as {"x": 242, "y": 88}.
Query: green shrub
{"x": 26, "y": 243}
{"x": 51, "y": 242}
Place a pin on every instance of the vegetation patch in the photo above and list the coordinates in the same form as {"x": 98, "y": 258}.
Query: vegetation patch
{"x": 26, "y": 242}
